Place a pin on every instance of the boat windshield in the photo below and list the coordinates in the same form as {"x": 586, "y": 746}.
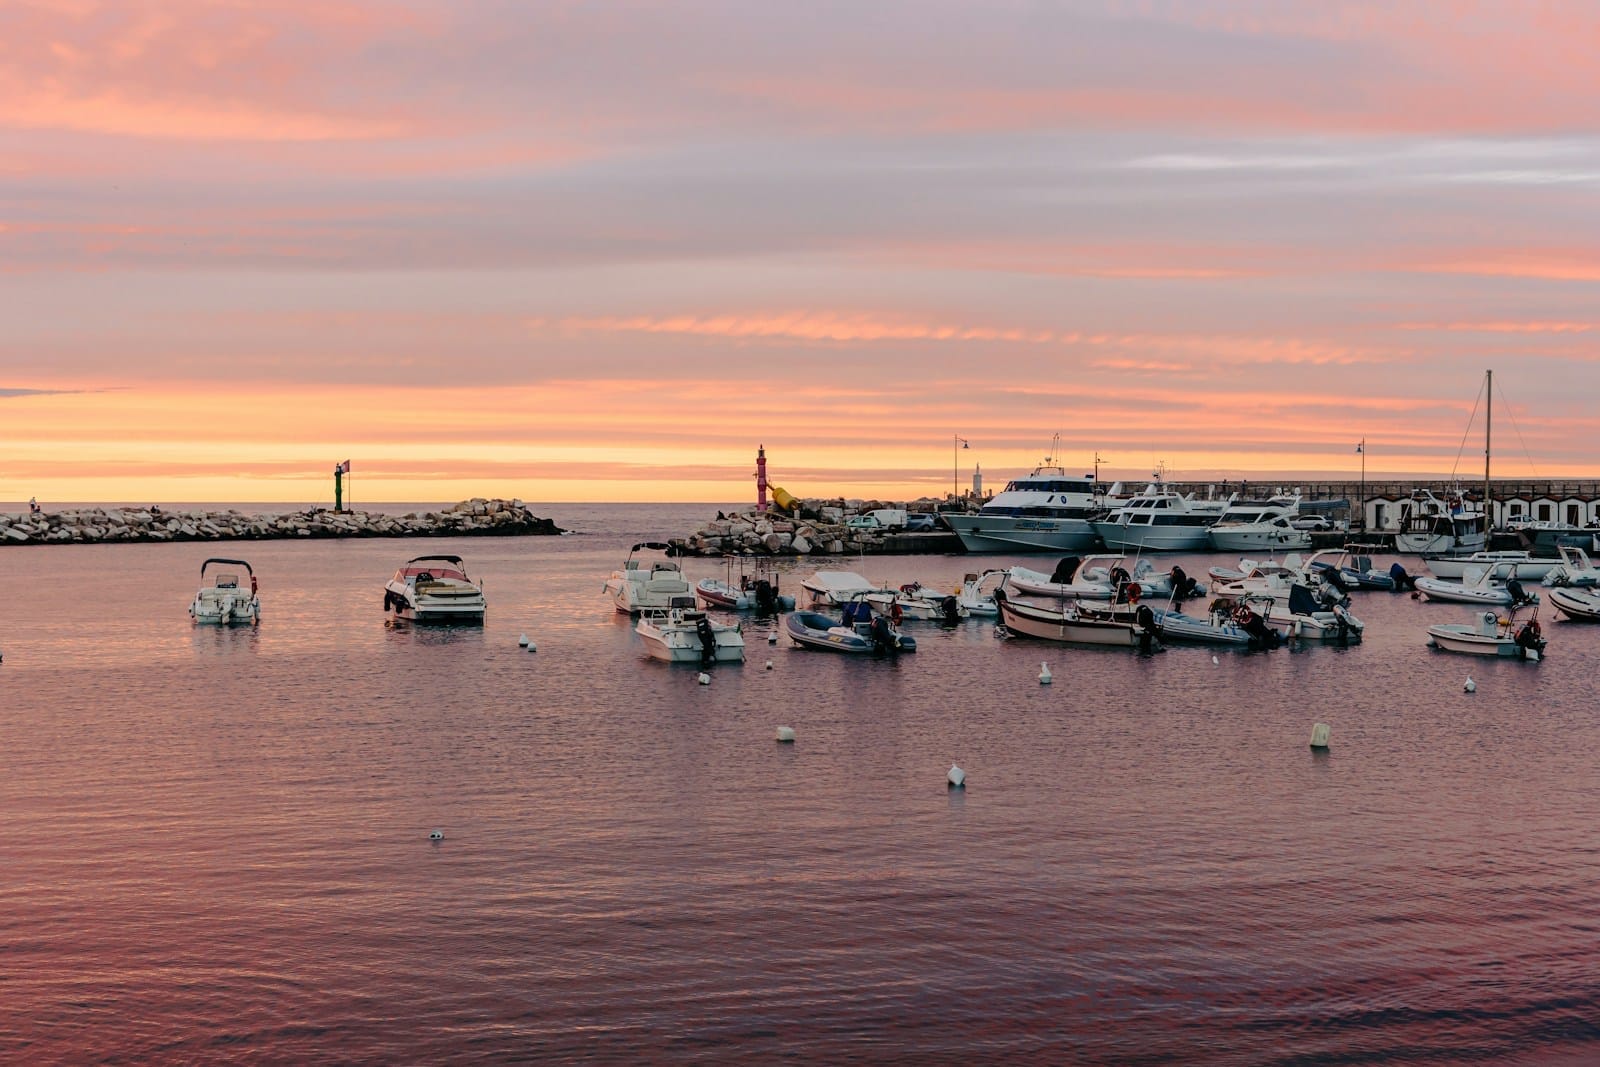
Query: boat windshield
{"x": 435, "y": 569}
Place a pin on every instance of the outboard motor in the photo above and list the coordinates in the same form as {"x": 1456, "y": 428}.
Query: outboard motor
{"x": 1530, "y": 642}
{"x": 1518, "y": 594}
{"x": 1183, "y": 586}
{"x": 1262, "y": 636}
{"x": 766, "y": 597}
{"x": 1334, "y": 578}
{"x": 1145, "y": 620}
{"x": 951, "y": 607}
{"x": 1065, "y": 570}
{"x": 1402, "y": 580}
{"x": 882, "y": 636}
{"x": 708, "y": 639}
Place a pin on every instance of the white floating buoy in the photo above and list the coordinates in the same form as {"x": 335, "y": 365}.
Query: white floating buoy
{"x": 704, "y": 679}
{"x": 1044, "y": 674}
{"x": 1214, "y": 658}
{"x": 532, "y": 647}
{"x": 957, "y": 778}
{"x": 523, "y": 640}
{"x": 769, "y": 664}
{"x": 1471, "y": 686}
{"x": 772, "y": 639}
{"x": 1319, "y": 735}
{"x": 786, "y": 734}
{"x": 437, "y": 835}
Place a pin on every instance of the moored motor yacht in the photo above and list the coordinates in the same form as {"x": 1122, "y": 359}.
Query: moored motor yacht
{"x": 646, "y": 583}
{"x": 1429, "y": 524}
{"x": 1259, "y": 526}
{"x": 915, "y": 601}
{"x": 682, "y": 633}
{"x": 1104, "y": 577}
{"x": 1530, "y": 568}
{"x": 1072, "y": 622}
{"x": 1046, "y": 511}
{"x": 1158, "y": 519}
{"x": 221, "y": 600}
{"x": 434, "y": 589}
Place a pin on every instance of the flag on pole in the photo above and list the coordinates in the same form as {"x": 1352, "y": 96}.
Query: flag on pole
{"x": 343, "y": 468}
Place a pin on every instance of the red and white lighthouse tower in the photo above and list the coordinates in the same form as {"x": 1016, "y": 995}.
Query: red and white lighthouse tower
{"x": 761, "y": 477}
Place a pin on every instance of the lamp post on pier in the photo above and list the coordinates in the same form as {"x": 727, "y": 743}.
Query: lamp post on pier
{"x": 958, "y": 442}
{"x": 1362, "y": 448}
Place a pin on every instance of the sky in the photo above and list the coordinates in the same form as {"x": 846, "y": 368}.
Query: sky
{"x": 601, "y": 251}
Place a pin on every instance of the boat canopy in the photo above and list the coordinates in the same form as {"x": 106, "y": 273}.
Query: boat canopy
{"x": 235, "y": 562}
{"x": 448, "y": 559}
{"x": 660, "y": 546}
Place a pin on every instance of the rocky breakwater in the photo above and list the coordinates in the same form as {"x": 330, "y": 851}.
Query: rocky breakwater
{"x": 476, "y": 517}
{"x": 839, "y": 528}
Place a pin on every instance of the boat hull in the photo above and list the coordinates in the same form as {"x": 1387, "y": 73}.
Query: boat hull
{"x": 243, "y": 611}
{"x": 1455, "y": 566}
{"x": 1576, "y": 604}
{"x": 1066, "y": 626}
{"x": 810, "y": 629}
{"x": 1120, "y": 537}
{"x": 678, "y": 643}
{"x": 1463, "y": 638}
{"x": 1263, "y": 540}
{"x": 1456, "y": 593}
{"x": 464, "y": 605}
{"x": 1009, "y": 533}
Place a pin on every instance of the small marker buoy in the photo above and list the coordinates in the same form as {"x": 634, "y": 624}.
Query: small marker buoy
{"x": 772, "y": 639}
{"x": 1319, "y": 735}
{"x": 532, "y": 647}
{"x": 437, "y": 835}
{"x": 1214, "y": 659}
{"x": 786, "y": 735}
{"x": 956, "y": 777}
{"x": 523, "y": 640}
{"x": 704, "y": 679}
{"x": 769, "y": 664}
{"x": 1044, "y": 674}
{"x": 1471, "y": 686}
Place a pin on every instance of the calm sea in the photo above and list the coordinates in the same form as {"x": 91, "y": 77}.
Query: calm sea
{"x": 217, "y": 843}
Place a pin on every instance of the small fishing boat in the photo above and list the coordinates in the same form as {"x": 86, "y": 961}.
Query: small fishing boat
{"x": 684, "y": 634}
{"x": 1354, "y": 567}
{"x": 646, "y": 582}
{"x": 434, "y": 589}
{"x": 1579, "y": 605}
{"x": 833, "y": 589}
{"x": 1492, "y": 634}
{"x": 756, "y": 591}
{"x": 858, "y": 632}
{"x": 1104, "y": 577}
{"x": 1575, "y": 569}
{"x": 221, "y": 600}
{"x": 977, "y": 592}
{"x": 1495, "y": 584}
{"x": 1074, "y": 623}
{"x": 1316, "y": 615}
{"x": 915, "y": 601}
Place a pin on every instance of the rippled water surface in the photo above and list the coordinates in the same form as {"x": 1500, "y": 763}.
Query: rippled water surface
{"x": 218, "y": 842}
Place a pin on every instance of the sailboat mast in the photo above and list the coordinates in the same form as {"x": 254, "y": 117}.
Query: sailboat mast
{"x": 1488, "y": 425}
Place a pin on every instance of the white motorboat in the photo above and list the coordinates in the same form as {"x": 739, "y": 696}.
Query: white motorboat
{"x": 1071, "y": 623}
{"x": 222, "y": 600}
{"x": 1259, "y": 578}
{"x": 1433, "y": 525}
{"x": 1494, "y": 584}
{"x": 1315, "y": 615}
{"x": 1046, "y": 511}
{"x": 977, "y": 591}
{"x": 1492, "y": 634}
{"x": 915, "y": 601}
{"x": 833, "y": 589}
{"x": 1454, "y": 565}
{"x": 1159, "y": 519}
{"x": 1575, "y": 570}
{"x": 757, "y": 590}
{"x": 434, "y": 589}
{"x": 646, "y": 583}
{"x": 1105, "y": 577}
{"x": 1259, "y": 526}
{"x": 683, "y": 633}
{"x": 1579, "y": 605}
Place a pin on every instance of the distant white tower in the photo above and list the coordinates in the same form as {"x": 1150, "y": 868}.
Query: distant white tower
{"x": 977, "y": 481}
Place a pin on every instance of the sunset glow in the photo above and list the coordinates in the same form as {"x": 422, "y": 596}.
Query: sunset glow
{"x": 603, "y": 252}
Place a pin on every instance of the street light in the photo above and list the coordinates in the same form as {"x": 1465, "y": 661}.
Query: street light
{"x": 956, "y": 445}
{"x": 1362, "y": 448}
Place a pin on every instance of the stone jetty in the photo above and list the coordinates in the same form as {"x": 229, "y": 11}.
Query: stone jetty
{"x": 818, "y": 527}
{"x": 471, "y": 518}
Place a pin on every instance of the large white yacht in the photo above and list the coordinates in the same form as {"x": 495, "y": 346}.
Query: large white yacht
{"x": 1159, "y": 519}
{"x": 1046, "y": 511}
{"x": 647, "y": 583}
{"x": 434, "y": 589}
{"x": 1260, "y": 525}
